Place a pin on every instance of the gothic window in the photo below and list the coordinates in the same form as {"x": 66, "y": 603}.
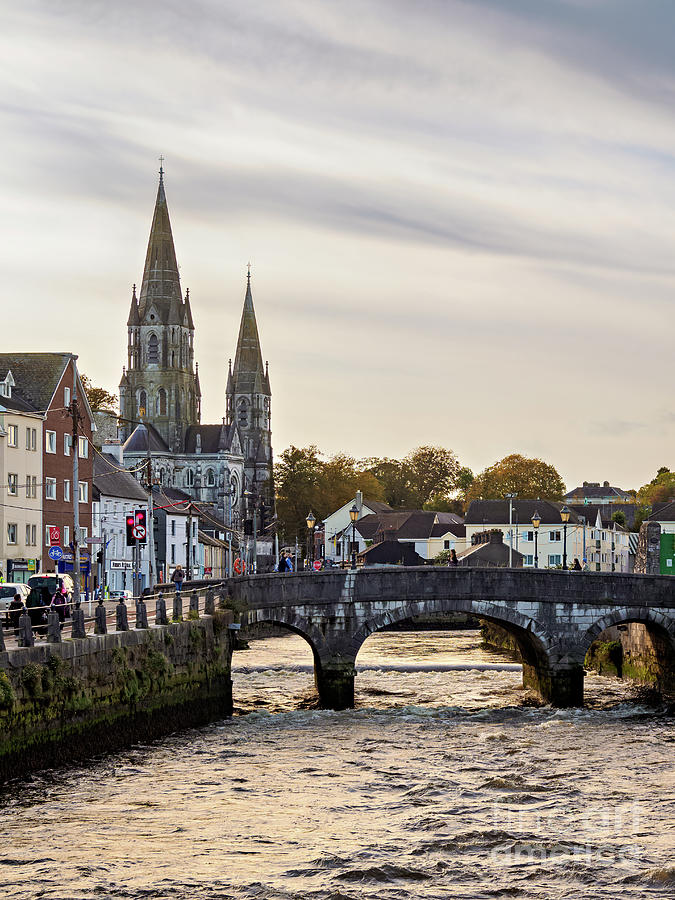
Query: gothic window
{"x": 161, "y": 402}
{"x": 189, "y": 478}
{"x": 173, "y": 358}
{"x": 142, "y": 403}
{"x": 234, "y": 496}
{"x": 153, "y": 349}
{"x": 161, "y": 476}
{"x": 210, "y": 478}
{"x": 243, "y": 413}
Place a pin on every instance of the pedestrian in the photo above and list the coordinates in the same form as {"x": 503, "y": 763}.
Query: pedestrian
{"x": 453, "y": 558}
{"x": 178, "y": 577}
{"x": 14, "y": 611}
{"x": 58, "y": 604}
{"x": 282, "y": 566}
{"x": 577, "y": 565}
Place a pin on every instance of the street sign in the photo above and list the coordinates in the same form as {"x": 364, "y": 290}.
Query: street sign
{"x": 93, "y": 540}
{"x": 54, "y": 536}
{"x": 55, "y": 553}
{"x": 138, "y": 532}
{"x": 317, "y": 565}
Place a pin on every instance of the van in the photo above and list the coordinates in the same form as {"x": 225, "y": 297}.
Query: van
{"x": 53, "y": 582}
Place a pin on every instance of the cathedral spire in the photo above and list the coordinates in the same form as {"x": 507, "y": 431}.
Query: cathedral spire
{"x": 161, "y": 281}
{"x": 248, "y": 372}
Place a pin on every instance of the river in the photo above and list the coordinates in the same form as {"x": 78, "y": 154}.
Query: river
{"x": 447, "y": 781}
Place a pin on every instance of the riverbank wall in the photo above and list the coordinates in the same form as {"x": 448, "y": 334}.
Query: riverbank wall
{"x": 65, "y": 702}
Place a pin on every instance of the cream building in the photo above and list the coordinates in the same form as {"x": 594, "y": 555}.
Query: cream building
{"x": 21, "y": 480}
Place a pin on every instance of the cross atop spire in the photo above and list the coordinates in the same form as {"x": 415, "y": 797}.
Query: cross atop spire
{"x": 161, "y": 170}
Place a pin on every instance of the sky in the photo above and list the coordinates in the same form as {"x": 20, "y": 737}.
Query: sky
{"x": 459, "y": 215}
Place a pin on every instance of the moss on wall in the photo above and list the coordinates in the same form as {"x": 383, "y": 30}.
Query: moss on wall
{"x": 65, "y": 702}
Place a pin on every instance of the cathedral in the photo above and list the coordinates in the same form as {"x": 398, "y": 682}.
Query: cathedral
{"x": 228, "y": 465}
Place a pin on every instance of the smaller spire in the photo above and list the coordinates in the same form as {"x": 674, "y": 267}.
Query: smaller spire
{"x": 133, "y": 293}
{"x": 187, "y": 295}
{"x": 229, "y": 366}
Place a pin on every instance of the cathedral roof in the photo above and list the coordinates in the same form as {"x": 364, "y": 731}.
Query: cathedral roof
{"x": 161, "y": 282}
{"x": 137, "y": 442}
{"x": 248, "y": 375}
{"x": 213, "y": 438}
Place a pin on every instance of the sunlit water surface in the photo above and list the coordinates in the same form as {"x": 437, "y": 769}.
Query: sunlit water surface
{"x": 448, "y": 780}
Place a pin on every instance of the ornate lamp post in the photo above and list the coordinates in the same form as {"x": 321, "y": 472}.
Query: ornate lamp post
{"x": 565, "y": 517}
{"x": 311, "y": 521}
{"x": 536, "y": 522}
{"x": 354, "y": 515}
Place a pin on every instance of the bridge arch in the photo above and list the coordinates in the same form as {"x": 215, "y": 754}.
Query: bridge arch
{"x": 297, "y": 625}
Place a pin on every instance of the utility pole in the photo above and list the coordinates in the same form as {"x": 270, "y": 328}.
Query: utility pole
{"x": 76, "y": 486}
{"x": 150, "y": 536}
{"x": 188, "y": 548}
{"x": 254, "y": 566}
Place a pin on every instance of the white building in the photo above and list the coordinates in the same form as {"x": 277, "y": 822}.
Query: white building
{"x": 116, "y": 494}
{"x": 21, "y": 478}
{"x": 337, "y": 527}
{"x": 601, "y": 547}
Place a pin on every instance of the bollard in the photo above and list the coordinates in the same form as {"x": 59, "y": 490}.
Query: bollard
{"x": 100, "y": 624}
{"x": 121, "y": 617}
{"x": 160, "y": 610}
{"x": 194, "y": 603}
{"x": 177, "y": 608}
{"x": 53, "y": 627}
{"x": 141, "y": 614}
{"x": 26, "y": 638}
{"x": 2, "y": 638}
{"x": 77, "y": 629}
{"x": 210, "y": 603}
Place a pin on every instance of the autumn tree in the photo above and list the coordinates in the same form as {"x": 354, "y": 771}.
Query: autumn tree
{"x": 659, "y": 490}
{"x": 305, "y": 481}
{"x": 515, "y": 474}
{"x": 426, "y": 476}
{"x": 100, "y": 400}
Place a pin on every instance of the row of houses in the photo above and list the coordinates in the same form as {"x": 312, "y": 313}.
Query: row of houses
{"x": 590, "y": 535}
{"x": 37, "y": 511}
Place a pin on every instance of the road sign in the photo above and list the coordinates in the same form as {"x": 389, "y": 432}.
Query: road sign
{"x": 317, "y": 565}
{"x": 138, "y": 532}
{"x": 55, "y": 553}
{"x": 54, "y": 536}
{"x": 93, "y": 540}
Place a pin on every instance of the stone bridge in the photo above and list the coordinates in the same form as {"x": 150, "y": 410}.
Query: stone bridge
{"x": 553, "y": 615}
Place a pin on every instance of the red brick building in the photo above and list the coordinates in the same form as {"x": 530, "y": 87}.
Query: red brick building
{"x": 45, "y": 381}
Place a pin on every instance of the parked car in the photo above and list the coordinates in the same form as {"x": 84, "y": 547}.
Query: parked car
{"x": 115, "y": 595}
{"x": 52, "y": 582}
{"x": 7, "y": 591}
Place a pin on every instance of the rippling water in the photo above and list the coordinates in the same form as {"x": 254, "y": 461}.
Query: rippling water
{"x": 447, "y": 781}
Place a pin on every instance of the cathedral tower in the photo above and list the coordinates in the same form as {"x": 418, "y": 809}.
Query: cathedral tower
{"x": 249, "y": 403}
{"x": 160, "y": 384}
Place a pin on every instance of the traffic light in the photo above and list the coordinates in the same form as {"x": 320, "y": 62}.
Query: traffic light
{"x": 248, "y": 526}
{"x": 131, "y": 540}
{"x": 99, "y": 557}
{"x": 141, "y": 525}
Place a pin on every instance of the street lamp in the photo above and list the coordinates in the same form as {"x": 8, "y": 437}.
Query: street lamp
{"x": 565, "y": 517}
{"x": 354, "y": 515}
{"x": 311, "y": 520}
{"x": 536, "y": 522}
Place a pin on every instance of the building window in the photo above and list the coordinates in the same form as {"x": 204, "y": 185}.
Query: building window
{"x": 12, "y": 435}
{"x": 210, "y": 478}
{"x": 66, "y": 491}
{"x": 66, "y": 397}
{"x": 173, "y": 554}
{"x": 338, "y": 548}
{"x": 28, "y": 544}
{"x": 84, "y": 534}
{"x": 67, "y": 444}
{"x": 82, "y": 447}
{"x": 194, "y": 529}
{"x": 446, "y": 545}
{"x": 529, "y": 559}
{"x": 554, "y": 535}
{"x": 173, "y": 528}
{"x": 554, "y": 559}
{"x": 12, "y": 484}
{"x": 84, "y": 491}
{"x": 51, "y": 442}
{"x": 11, "y": 533}
{"x": 189, "y": 477}
{"x": 529, "y": 535}
{"x": 34, "y": 486}
{"x": 161, "y": 402}
{"x": 153, "y": 349}
{"x": 50, "y": 488}
{"x": 31, "y": 438}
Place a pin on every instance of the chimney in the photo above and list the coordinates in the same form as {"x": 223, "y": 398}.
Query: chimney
{"x": 114, "y": 448}
{"x": 359, "y": 501}
{"x": 496, "y": 536}
{"x": 605, "y": 483}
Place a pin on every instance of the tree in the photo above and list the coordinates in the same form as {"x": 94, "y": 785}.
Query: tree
{"x": 305, "y": 482}
{"x": 100, "y": 400}
{"x": 426, "y": 476}
{"x": 515, "y": 474}
{"x": 619, "y": 517}
{"x": 392, "y": 475}
{"x": 659, "y": 490}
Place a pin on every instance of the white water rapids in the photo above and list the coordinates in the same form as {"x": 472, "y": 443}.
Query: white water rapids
{"x": 447, "y": 781}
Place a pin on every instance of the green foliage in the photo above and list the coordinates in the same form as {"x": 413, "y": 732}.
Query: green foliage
{"x": 31, "y": 679}
{"x": 157, "y": 665}
{"x": 227, "y": 602}
{"x": 659, "y": 490}
{"x": 7, "y": 695}
{"x": 619, "y": 517}
{"x": 515, "y": 474}
{"x": 425, "y": 478}
{"x": 193, "y": 614}
{"x": 99, "y": 399}
{"x": 443, "y": 558}
{"x": 605, "y": 657}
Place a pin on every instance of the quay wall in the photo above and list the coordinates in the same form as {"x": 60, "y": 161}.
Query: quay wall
{"x": 65, "y": 702}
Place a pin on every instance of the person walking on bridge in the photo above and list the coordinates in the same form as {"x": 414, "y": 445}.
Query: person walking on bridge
{"x": 178, "y": 577}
